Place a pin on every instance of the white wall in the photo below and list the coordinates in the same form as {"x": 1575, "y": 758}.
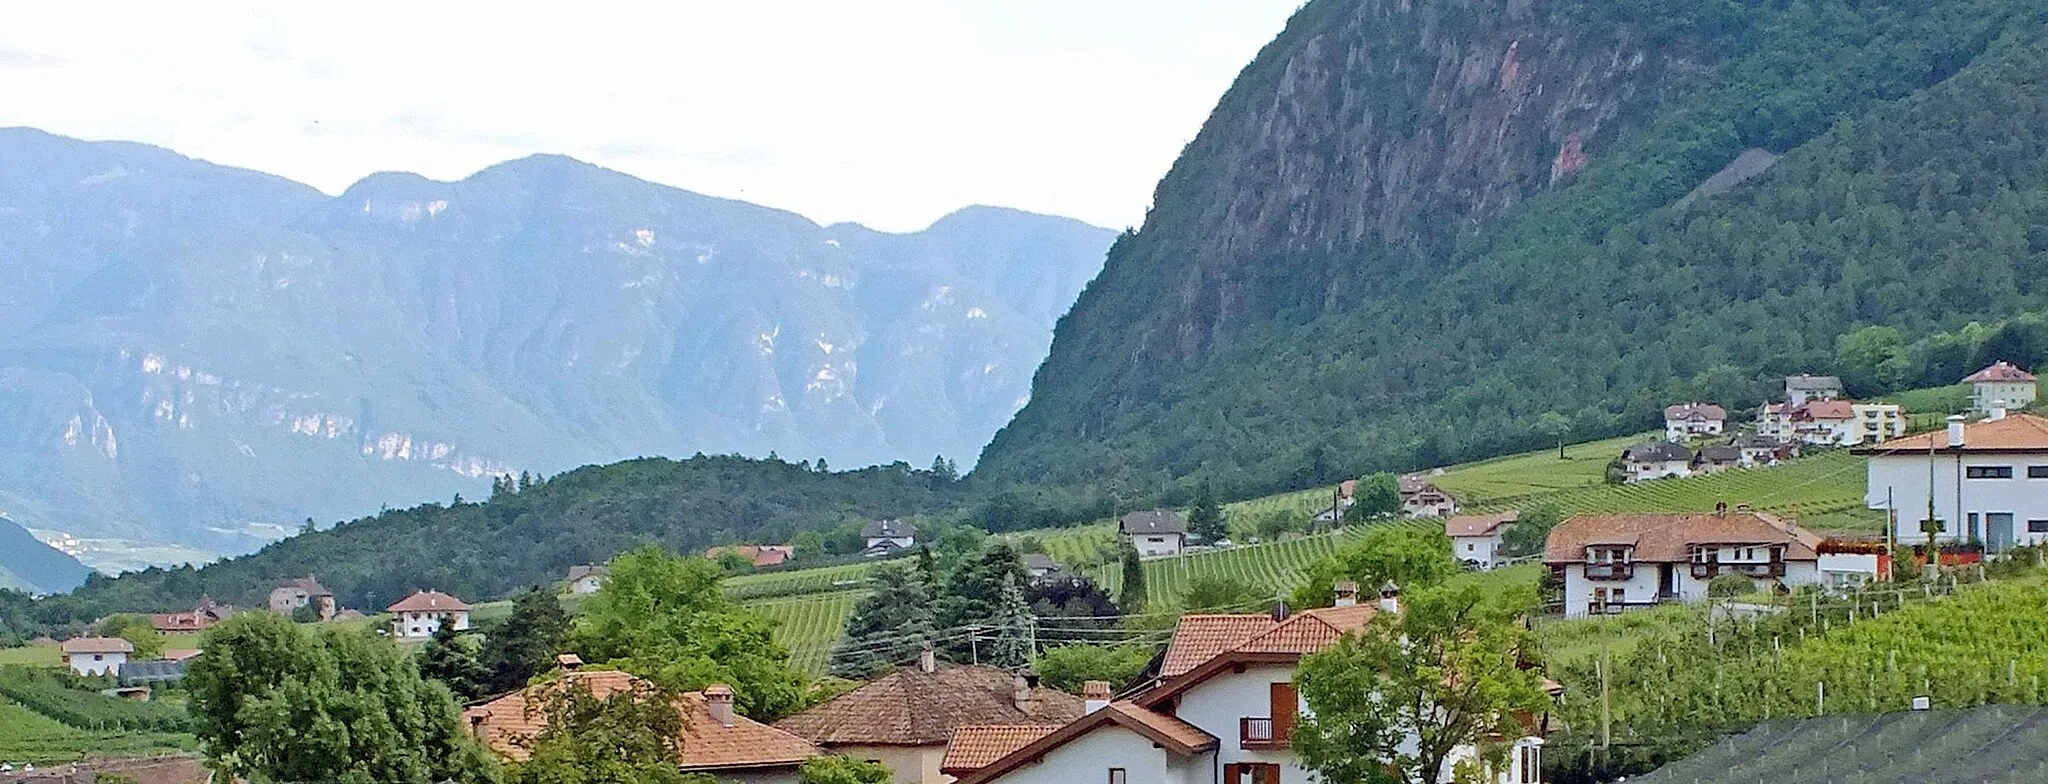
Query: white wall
{"x": 911, "y": 764}
{"x": 2016, "y": 395}
{"x": 1644, "y": 471}
{"x": 96, "y": 663}
{"x": 1149, "y": 545}
{"x": 1087, "y": 759}
{"x": 1477, "y": 548}
{"x": 1640, "y": 588}
{"x": 421, "y": 625}
{"x": 1215, "y": 706}
{"x": 1905, "y": 477}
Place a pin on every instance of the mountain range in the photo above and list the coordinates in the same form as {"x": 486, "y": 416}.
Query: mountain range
{"x": 196, "y": 359}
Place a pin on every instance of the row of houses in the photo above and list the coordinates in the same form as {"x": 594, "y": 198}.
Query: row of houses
{"x": 1816, "y": 410}
{"x": 1665, "y": 459}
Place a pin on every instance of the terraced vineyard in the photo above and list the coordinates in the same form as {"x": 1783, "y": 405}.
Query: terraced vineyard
{"x": 1274, "y": 567}
{"x": 27, "y": 736}
{"x": 1536, "y": 472}
{"x": 1829, "y": 484}
{"x": 800, "y": 581}
{"x": 809, "y": 625}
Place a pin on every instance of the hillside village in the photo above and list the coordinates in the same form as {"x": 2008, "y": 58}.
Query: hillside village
{"x": 1047, "y": 656}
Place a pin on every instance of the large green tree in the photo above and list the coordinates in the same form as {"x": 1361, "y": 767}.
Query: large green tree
{"x": 1390, "y": 704}
{"x": 889, "y": 626}
{"x": 451, "y": 657}
{"x": 1131, "y": 595}
{"x": 983, "y": 593}
{"x": 1205, "y": 517}
{"x": 842, "y": 770}
{"x": 1377, "y": 495}
{"x": 1411, "y": 558}
{"x": 627, "y": 737}
{"x": 524, "y": 644}
{"x": 271, "y": 702}
{"x": 668, "y": 619}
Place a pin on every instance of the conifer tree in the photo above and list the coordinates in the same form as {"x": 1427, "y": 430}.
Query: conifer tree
{"x": 1131, "y": 597}
{"x": 1205, "y": 519}
{"x": 889, "y": 626}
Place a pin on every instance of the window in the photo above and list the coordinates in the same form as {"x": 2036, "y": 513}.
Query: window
{"x": 1116, "y": 776}
{"x": 1531, "y": 764}
{"x": 1471, "y": 548}
{"x": 2037, "y": 526}
{"x": 1988, "y": 472}
{"x": 2037, "y": 472}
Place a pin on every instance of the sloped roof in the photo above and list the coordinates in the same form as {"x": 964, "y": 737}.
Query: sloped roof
{"x": 1155, "y": 521}
{"x": 581, "y": 571}
{"x": 911, "y": 707}
{"x": 1720, "y": 454}
{"x": 891, "y": 529}
{"x": 1035, "y": 561}
{"x": 2014, "y": 433}
{"x": 1826, "y": 409}
{"x": 1805, "y": 381}
{"x": 98, "y": 645}
{"x": 1479, "y": 525}
{"x": 1656, "y": 452}
{"x": 428, "y": 601}
{"x": 1170, "y": 733}
{"x": 1999, "y": 372}
{"x": 1199, "y": 638}
{"x": 1669, "y": 537}
{"x": 1700, "y": 411}
{"x": 976, "y": 745}
{"x": 508, "y": 721}
{"x": 307, "y": 584}
{"x": 1310, "y": 631}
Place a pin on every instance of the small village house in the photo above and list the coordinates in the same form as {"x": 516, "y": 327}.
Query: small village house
{"x": 1656, "y": 460}
{"x": 1422, "y": 499}
{"x": 716, "y": 740}
{"x": 1222, "y": 712}
{"x": 1154, "y": 533}
{"x": 886, "y": 537}
{"x": 418, "y": 616}
{"x": 1989, "y": 482}
{"x": 760, "y": 555}
{"x": 1039, "y": 566}
{"x": 1476, "y": 539}
{"x": 905, "y": 719}
{"x": 1715, "y": 458}
{"x": 1613, "y": 562}
{"x": 1804, "y": 388}
{"x": 2001, "y": 386}
{"x": 1687, "y": 421}
{"x": 585, "y": 579}
{"x": 199, "y": 618}
{"x": 1760, "y": 450}
{"x": 291, "y": 595}
{"x": 97, "y": 655}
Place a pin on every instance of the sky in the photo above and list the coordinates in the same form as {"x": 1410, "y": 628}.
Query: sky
{"x": 886, "y": 112}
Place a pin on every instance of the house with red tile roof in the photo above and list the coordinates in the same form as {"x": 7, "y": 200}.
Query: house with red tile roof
{"x": 418, "y": 616}
{"x": 758, "y": 554}
{"x": 1222, "y": 712}
{"x": 1687, "y": 421}
{"x": 2003, "y": 385}
{"x": 715, "y": 740}
{"x": 1989, "y": 482}
{"x": 1419, "y": 498}
{"x": 97, "y": 655}
{"x": 1613, "y": 562}
{"x": 1476, "y": 540}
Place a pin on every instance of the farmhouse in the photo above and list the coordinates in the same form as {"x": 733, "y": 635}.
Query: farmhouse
{"x": 97, "y": 655}
{"x": 885, "y": 537}
{"x": 200, "y": 618}
{"x": 1656, "y": 460}
{"x": 1613, "y": 562}
{"x": 1223, "y": 715}
{"x": 757, "y": 554}
{"x": 1760, "y": 450}
{"x": 1422, "y": 499}
{"x": 585, "y": 579}
{"x": 1687, "y": 421}
{"x": 2003, "y": 385}
{"x": 1990, "y": 482}
{"x": 291, "y": 595}
{"x": 1715, "y": 458}
{"x": 1476, "y": 539}
{"x": 418, "y": 616}
{"x": 1154, "y": 533}
{"x": 905, "y": 719}
{"x": 716, "y": 740}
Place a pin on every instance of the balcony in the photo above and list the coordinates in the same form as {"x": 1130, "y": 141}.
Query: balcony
{"x": 1258, "y": 734}
{"x": 1610, "y": 571}
{"x": 1710, "y": 570}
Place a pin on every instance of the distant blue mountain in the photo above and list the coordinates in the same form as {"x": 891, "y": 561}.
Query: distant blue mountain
{"x": 34, "y": 566}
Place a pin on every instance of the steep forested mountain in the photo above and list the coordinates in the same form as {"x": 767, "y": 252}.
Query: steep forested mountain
{"x": 1413, "y": 226}
{"x": 202, "y": 355}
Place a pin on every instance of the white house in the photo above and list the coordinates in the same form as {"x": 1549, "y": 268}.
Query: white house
{"x": 1222, "y": 715}
{"x": 1878, "y": 422}
{"x": 1613, "y": 562}
{"x": 1476, "y": 539}
{"x": 585, "y": 579}
{"x": 1832, "y": 422}
{"x": 1154, "y": 533}
{"x": 1802, "y": 388}
{"x": 1656, "y": 460}
{"x": 1760, "y": 450}
{"x": 97, "y": 655}
{"x": 1687, "y": 421}
{"x": 889, "y": 535}
{"x": 418, "y": 616}
{"x": 2003, "y": 385}
{"x": 1990, "y": 482}
{"x": 1422, "y": 499}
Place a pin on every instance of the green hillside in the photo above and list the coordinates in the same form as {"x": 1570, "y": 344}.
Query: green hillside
{"x": 1364, "y": 262}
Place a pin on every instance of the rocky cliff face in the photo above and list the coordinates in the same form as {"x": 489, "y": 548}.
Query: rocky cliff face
{"x": 206, "y": 356}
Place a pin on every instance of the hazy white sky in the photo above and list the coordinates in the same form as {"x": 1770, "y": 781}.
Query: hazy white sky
{"x": 887, "y": 112}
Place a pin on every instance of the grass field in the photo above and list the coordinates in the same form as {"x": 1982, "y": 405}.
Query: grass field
{"x": 1530, "y": 473}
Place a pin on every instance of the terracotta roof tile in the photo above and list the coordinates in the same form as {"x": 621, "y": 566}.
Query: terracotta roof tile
{"x": 1199, "y": 638}
{"x": 911, "y": 707}
{"x": 1168, "y": 727}
{"x": 1310, "y": 631}
{"x": 1667, "y": 538}
{"x": 1168, "y": 732}
{"x": 1999, "y": 372}
{"x": 428, "y": 601}
{"x": 506, "y": 722}
{"x": 1826, "y": 409}
{"x": 1479, "y": 525}
{"x": 976, "y": 745}
{"x": 2015, "y": 433}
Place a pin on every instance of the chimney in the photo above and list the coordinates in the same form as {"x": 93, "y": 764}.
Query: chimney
{"x": 1347, "y": 593}
{"x": 476, "y": 717}
{"x": 1026, "y": 695}
{"x": 1095, "y": 696}
{"x": 927, "y": 660}
{"x": 1997, "y": 411}
{"x": 1279, "y": 610}
{"x": 718, "y": 697}
{"x": 1955, "y": 431}
{"x": 569, "y": 662}
{"x": 1390, "y": 598}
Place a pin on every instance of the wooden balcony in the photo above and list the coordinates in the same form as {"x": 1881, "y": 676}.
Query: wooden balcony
{"x": 1257, "y": 734}
{"x": 1710, "y": 570}
{"x": 1610, "y": 571}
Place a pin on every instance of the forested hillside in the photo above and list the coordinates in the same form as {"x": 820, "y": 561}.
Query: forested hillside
{"x": 1413, "y": 227}
{"x": 522, "y": 537}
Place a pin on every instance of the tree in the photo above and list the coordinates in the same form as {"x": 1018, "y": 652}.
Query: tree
{"x": 833, "y": 769}
{"x": 1131, "y": 596}
{"x": 1531, "y": 530}
{"x": 1873, "y": 360}
{"x": 1070, "y": 667}
{"x": 1016, "y": 630}
{"x": 271, "y": 701}
{"x": 808, "y": 545}
{"x": 1215, "y": 592}
{"x": 136, "y": 629}
{"x": 1389, "y": 705}
{"x": 889, "y": 626}
{"x": 1274, "y": 523}
{"x": 306, "y": 613}
{"x": 1205, "y": 518}
{"x": 1070, "y": 607}
{"x": 668, "y": 619}
{"x": 985, "y": 591}
{"x": 1378, "y": 495}
{"x": 944, "y": 472}
{"x": 732, "y": 562}
{"x": 1412, "y": 558}
{"x": 524, "y": 644}
{"x": 451, "y": 658}
{"x": 631, "y": 736}
{"x": 1555, "y": 425}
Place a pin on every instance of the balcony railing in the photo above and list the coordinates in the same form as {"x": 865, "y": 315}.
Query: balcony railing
{"x": 1610, "y": 571}
{"x": 1257, "y": 734}
{"x": 1710, "y": 570}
